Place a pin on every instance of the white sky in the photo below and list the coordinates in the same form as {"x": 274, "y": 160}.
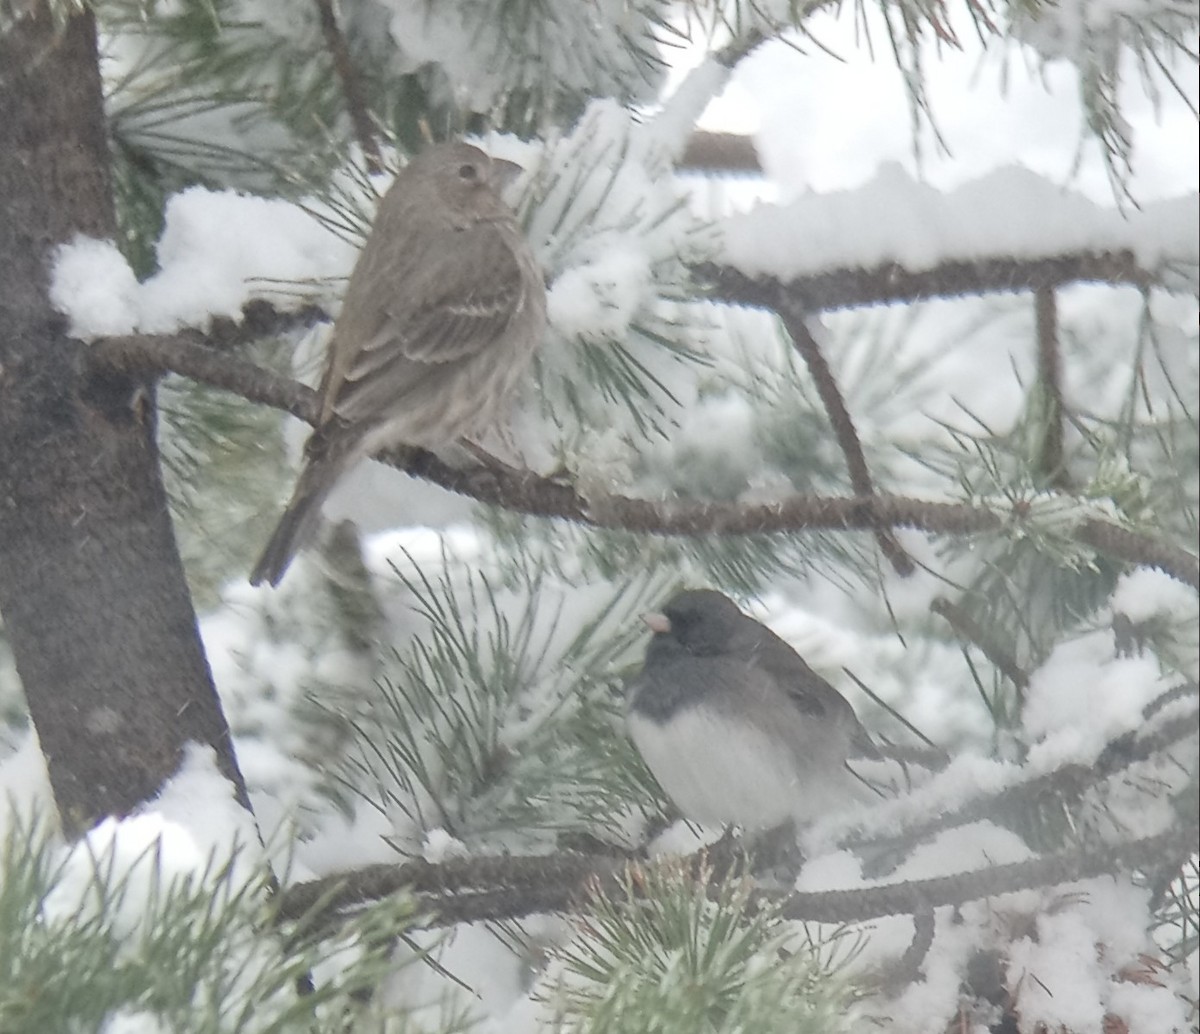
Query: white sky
{"x": 824, "y": 124}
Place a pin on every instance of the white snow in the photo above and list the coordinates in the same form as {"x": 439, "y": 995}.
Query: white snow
{"x": 218, "y": 251}
{"x": 1009, "y": 213}
{"x": 440, "y": 846}
{"x": 1146, "y": 593}
{"x": 192, "y": 832}
{"x": 1082, "y": 697}
{"x": 125, "y": 1022}
{"x": 96, "y": 288}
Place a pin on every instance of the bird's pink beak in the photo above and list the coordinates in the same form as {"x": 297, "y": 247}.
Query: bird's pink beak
{"x": 660, "y": 624}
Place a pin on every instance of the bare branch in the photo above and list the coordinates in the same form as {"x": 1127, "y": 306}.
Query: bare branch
{"x": 891, "y": 282}
{"x": 843, "y": 427}
{"x": 861, "y": 903}
{"x": 1049, "y": 364}
{"x": 511, "y": 887}
{"x": 179, "y": 353}
{"x": 529, "y": 493}
{"x": 968, "y": 629}
{"x": 720, "y": 153}
{"x": 346, "y": 71}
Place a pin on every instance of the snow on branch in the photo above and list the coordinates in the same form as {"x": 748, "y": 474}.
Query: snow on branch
{"x": 891, "y": 282}
{"x": 514, "y": 887}
{"x": 896, "y": 221}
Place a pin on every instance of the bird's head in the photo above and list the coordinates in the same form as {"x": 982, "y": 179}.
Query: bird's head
{"x": 469, "y": 181}
{"x": 701, "y": 621}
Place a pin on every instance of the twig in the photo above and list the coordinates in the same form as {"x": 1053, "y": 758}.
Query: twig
{"x": 529, "y": 493}
{"x": 347, "y": 73}
{"x": 907, "y": 969}
{"x": 892, "y": 282}
{"x": 862, "y": 903}
{"x": 1050, "y": 460}
{"x": 968, "y": 629}
{"x": 1065, "y": 783}
{"x": 717, "y": 153}
{"x": 932, "y": 756}
{"x": 843, "y": 427}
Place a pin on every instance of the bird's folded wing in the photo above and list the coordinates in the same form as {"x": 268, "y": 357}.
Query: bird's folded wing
{"x": 806, "y": 689}
{"x": 448, "y": 308}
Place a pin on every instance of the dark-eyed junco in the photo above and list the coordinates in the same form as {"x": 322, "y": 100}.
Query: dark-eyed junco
{"x": 444, "y": 310}
{"x": 736, "y": 728}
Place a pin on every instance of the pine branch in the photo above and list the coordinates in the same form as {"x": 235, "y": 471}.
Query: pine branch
{"x": 892, "y": 282}
{"x": 536, "y": 496}
{"x": 509, "y": 887}
{"x": 179, "y": 353}
{"x": 843, "y": 427}
{"x": 862, "y": 903}
{"x": 348, "y": 74}
{"x": 513, "y": 887}
{"x": 969, "y": 630}
{"x": 511, "y": 874}
{"x": 1064, "y": 784}
{"x": 720, "y": 154}
{"x": 1050, "y": 461}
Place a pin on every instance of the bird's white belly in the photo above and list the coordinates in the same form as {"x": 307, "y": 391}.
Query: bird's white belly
{"x": 719, "y": 771}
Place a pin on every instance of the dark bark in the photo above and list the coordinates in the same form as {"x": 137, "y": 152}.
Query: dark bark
{"x": 92, "y": 589}
{"x": 891, "y": 283}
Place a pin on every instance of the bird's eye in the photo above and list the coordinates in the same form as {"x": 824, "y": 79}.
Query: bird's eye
{"x": 467, "y": 172}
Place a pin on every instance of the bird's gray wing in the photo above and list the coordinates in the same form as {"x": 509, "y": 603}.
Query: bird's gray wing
{"x": 415, "y": 316}
{"x": 810, "y": 693}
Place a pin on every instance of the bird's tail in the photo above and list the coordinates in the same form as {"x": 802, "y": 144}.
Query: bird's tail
{"x": 302, "y": 516}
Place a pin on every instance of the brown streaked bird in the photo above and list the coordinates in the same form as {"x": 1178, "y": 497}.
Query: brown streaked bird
{"x": 444, "y": 310}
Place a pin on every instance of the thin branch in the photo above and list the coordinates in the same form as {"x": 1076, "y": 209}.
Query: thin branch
{"x": 487, "y": 875}
{"x": 179, "y": 353}
{"x": 720, "y": 154}
{"x": 510, "y": 887}
{"x": 892, "y": 282}
{"x": 907, "y": 969}
{"x": 969, "y": 630}
{"x": 529, "y": 493}
{"x": 347, "y": 73}
{"x": 1065, "y": 784}
{"x": 862, "y": 903}
{"x": 843, "y": 427}
{"x": 1049, "y": 364}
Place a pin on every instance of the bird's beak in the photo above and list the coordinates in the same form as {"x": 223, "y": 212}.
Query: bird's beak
{"x": 659, "y": 624}
{"x": 505, "y": 172}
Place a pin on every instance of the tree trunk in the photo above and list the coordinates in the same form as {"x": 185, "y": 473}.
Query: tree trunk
{"x": 92, "y": 589}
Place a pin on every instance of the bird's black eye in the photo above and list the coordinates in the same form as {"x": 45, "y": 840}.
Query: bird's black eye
{"x": 467, "y": 172}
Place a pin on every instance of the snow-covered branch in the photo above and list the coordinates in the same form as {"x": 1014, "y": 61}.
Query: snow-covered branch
{"x": 892, "y": 282}
{"x": 513, "y": 887}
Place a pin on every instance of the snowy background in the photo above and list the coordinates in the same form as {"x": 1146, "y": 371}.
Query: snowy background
{"x": 860, "y": 185}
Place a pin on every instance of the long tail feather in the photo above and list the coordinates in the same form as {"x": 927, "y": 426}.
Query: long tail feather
{"x": 301, "y": 518}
